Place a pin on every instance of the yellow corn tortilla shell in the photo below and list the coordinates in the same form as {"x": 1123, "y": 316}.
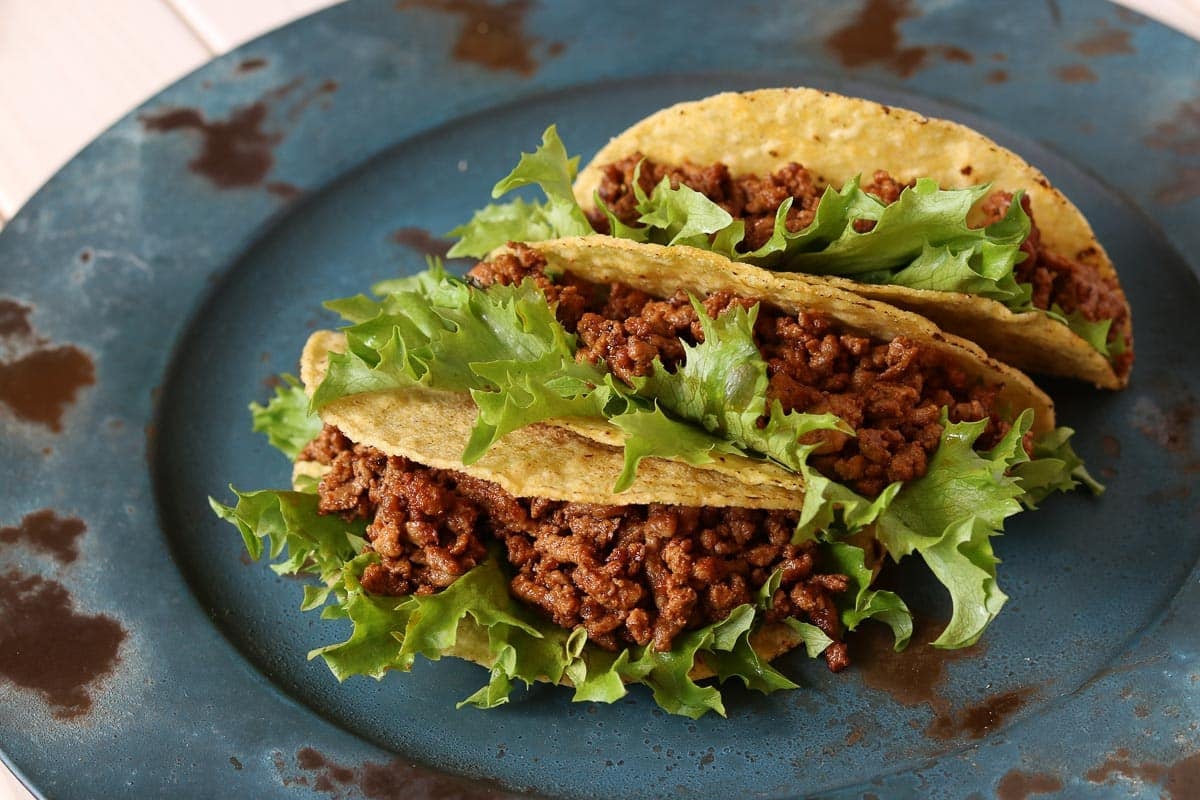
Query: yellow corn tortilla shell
{"x": 543, "y": 460}
{"x": 837, "y": 137}
{"x": 660, "y": 271}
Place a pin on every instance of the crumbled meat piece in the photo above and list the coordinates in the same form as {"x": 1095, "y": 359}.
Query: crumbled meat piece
{"x": 885, "y": 187}
{"x": 629, "y": 575}
{"x": 628, "y": 341}
{"x": 424, "y": 535}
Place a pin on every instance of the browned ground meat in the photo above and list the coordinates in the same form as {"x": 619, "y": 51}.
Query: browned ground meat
{"x": 747, "y": 197}
{"x": 891, "y": 393}
{"x": 1073, "y": 285}
{"x": 628, "y": 574}
{"x": 424, "y": 535}
{"x": 1055, "y": 279}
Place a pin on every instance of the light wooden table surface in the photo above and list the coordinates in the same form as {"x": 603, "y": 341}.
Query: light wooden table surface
{"x": 70, "y": 68}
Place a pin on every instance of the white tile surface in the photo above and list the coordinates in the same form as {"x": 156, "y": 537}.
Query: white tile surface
{"x": 68, "y": 68}
{"x": 225, "y": 24}
{"x": 1182, "y": 15}
{"x": 11, "y": 788}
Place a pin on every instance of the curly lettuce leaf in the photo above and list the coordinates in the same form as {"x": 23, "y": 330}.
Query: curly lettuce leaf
{"x": 650, "y": 432}
{"x": 446, "y": 334}
{"x": 861, "y": 602}
{"x": 1094, "y": 333}
{"x": 286, "y": 419}
{"x": 297, "y": 537}
{"x": 948, "y": 516}
{"x": 1054, "y": 468}
{"x": 984, "y": 271}
{"x": 722, "y": 387}
{"x": 549, "y": 168}
{"x": 678, "y": 215}
{"x": 725, "y": 646}
{"x": 923, "y": 216}
{"x": 477, "y": 617}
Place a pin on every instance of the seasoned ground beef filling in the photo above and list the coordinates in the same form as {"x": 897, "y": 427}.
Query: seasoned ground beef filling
{"x": 628, "y": 574}
{"x": 891, "y": 393}
{"x": 1072, "y": 285}
{"x": 1056, "y": 280}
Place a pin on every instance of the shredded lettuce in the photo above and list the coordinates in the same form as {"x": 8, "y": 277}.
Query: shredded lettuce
{"x": 922, "y": 241}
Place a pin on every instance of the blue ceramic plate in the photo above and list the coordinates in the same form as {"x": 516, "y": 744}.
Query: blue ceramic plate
{"x": 151, "y": 289}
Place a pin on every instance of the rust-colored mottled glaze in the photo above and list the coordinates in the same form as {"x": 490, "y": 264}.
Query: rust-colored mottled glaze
{"x": 1170, "y": 427}
{"x": 47, "y": 532}
{"x": 492, "y": 35}
{"x": 1106, "y": 41}
{"x": 1183, "y": 187}
{"x": 913, "y": 677}
{"x": 873, "y": 37}
{"x": 979, "y": 719}
{"x": 234, "y": 152}
{"x": 1018, "y": 785}
{"x": 421, "y": 241}
{"x": 49, "y": 647}
{"x": 395, "y": 780}
{"x": 1179, "y": 133}
{"x": 39, "y": 380}
{"x": 14, "y": 320}
{"x": 1180, "y": 781}
{"x": 237, "y": 151}
{"x": 284, "y": 190}
{"x": 1076, "y": 73}
{"x": 251, "y": 65}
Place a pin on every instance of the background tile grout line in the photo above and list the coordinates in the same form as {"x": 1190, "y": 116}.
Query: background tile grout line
{"x": 199, "y": 27}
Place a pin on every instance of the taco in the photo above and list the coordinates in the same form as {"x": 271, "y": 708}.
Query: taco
{"x": 600, "y": 462}
{"x": 921, "y": 213}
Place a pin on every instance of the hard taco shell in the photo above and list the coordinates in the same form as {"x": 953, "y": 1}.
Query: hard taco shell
{"x": 837, "y": 137}
{"x": 661, "y": 271}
